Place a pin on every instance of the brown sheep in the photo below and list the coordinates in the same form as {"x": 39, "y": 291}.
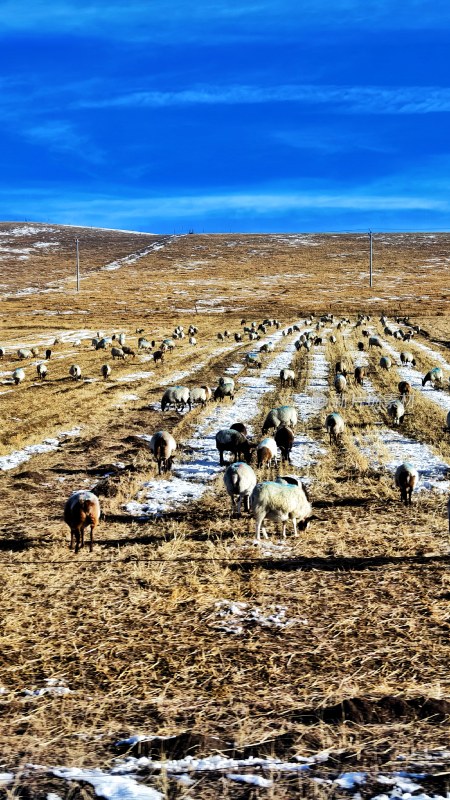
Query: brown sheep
{"x": 82, "y": 510}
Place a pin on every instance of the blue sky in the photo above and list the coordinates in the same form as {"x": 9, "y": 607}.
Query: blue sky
{"x": 226, "y": 116}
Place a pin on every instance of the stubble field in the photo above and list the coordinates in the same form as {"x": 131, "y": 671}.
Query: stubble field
{"x": 315, "y": 666}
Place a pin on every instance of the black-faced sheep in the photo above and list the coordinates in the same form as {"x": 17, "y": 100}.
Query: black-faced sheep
{"x": 18, "y": 375}
{"x": 406, "y": 479}
{"x": 396, "y": 411}
{"x": 231, "y": 441}
{"x": 286, "y": 415}
{"x": 279, "y": 502}
{"x": 335, "y": 426}
{"x": 239, "y": 480}
{"x": 434, "y": 376}
{"x": 163, "y": 445}
{"x": 177, "y": 396}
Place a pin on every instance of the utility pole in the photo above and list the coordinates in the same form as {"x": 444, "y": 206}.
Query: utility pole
{"x": 371, "y": 260}
{"x": 78, "y": 265}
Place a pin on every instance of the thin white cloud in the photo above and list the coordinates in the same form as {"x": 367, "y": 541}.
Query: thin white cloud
{"x": 110, "y": 209}
{"x": 345, "y": 99}
{"x": 191, "y": 19}
{"x": 60, "y": 136}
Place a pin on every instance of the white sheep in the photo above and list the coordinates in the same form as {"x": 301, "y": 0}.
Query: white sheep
{"x": 105, "y": 371}
{"x": 177, "y": 396}
{"x": 280, "y": 502}
{"x": 435, "y": 375}
{"x": 407, "y": 358}
{"x": 23, "y": 353}
{"x": 335, "y": 426}
{"x": 117, "y": 352}
{"x": 385, "y": 362}
{"x": 239, "y": 480}
{"x": 163, "y": 445}
{"x": 75, "y": 372}
{"x": 225, "y": 388}
{"x": 41, "y": 370}
{"x": 286, "y": 415}
{"x": 340, "y": 384}
{"x": 287, "y": 378}
{"x": 396, "y": 410}
{"x": 267, "y": 452}
{"x": 18, "y": 375}
{"x": 199, "y": 396}
{"x": 406, "y": 479}
{"x": 192, "y": 340}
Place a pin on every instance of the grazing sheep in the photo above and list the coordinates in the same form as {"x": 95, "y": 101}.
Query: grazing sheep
{"x": 286, "y": 415}
{"x": 128, "y": 351}
{"x": 192, "y": 340}
{"x": 224, "y": 389}
{"x": 168, "y": 344}
{"x": 435, "y": 375}
{"x": 208, "y": 393}
{"x": 385, "y": 362}
{"x": 284, "y": 438}
{"x": 48, "y": 354}
{"x": 121, "y": 339}
{"x": 267, "y": 348}
{"x": 220, "y": 337}
{"x": 232, "y": 441}
{"x": 158, "y": 356}
{"x": 35, "y": 351}
{"x": 341, "y": 367}
{"x": 23, "y": 353}
{"x": 359, "y": 375}
{"x": 177, "y": 396}
{"x": 406, "y": 479}
{"x": 279, "y": 502}
{"x": 102, "y": 343}
{"x": 117, "y": 352}
{"x": 332, "y": 339}
{"x": 198, "y": 395}
{"x": 18, "y": 375}
{"x": 335, "y": 426}
{"x": 239, "y": 426}
{"x": 266, "y": 452}
{"x": 407, "y": 358}
{"x": 239, "y": 480}
{"x": 374, "y": 341}
{"x": 41, "y": 370}
{"x": 404, "y": 389}
{"x": 82, "y": 510}
{"x": 238, "y": 337}
{"x": 75, "y": 372}
{"x": 144, "y": 344}
{"x": 360, "y": 346}
{"x": 396, "y": 410}
{"x": 287, "y": 378}
{"x": 105, "y": 371}
{"x": 163, "y": 445}
{"x": 252, "y": 360}
{"x": 340, "y": 385}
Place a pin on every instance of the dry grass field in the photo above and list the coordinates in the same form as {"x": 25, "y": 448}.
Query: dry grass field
{"x": 315, "y": 666}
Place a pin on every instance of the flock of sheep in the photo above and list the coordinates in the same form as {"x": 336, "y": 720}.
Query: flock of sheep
{"x": 286, "y": 497}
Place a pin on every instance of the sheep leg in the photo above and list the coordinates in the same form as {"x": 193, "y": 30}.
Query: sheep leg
{"x": 294, "y": 522}
{"x": 91, "y": 542}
